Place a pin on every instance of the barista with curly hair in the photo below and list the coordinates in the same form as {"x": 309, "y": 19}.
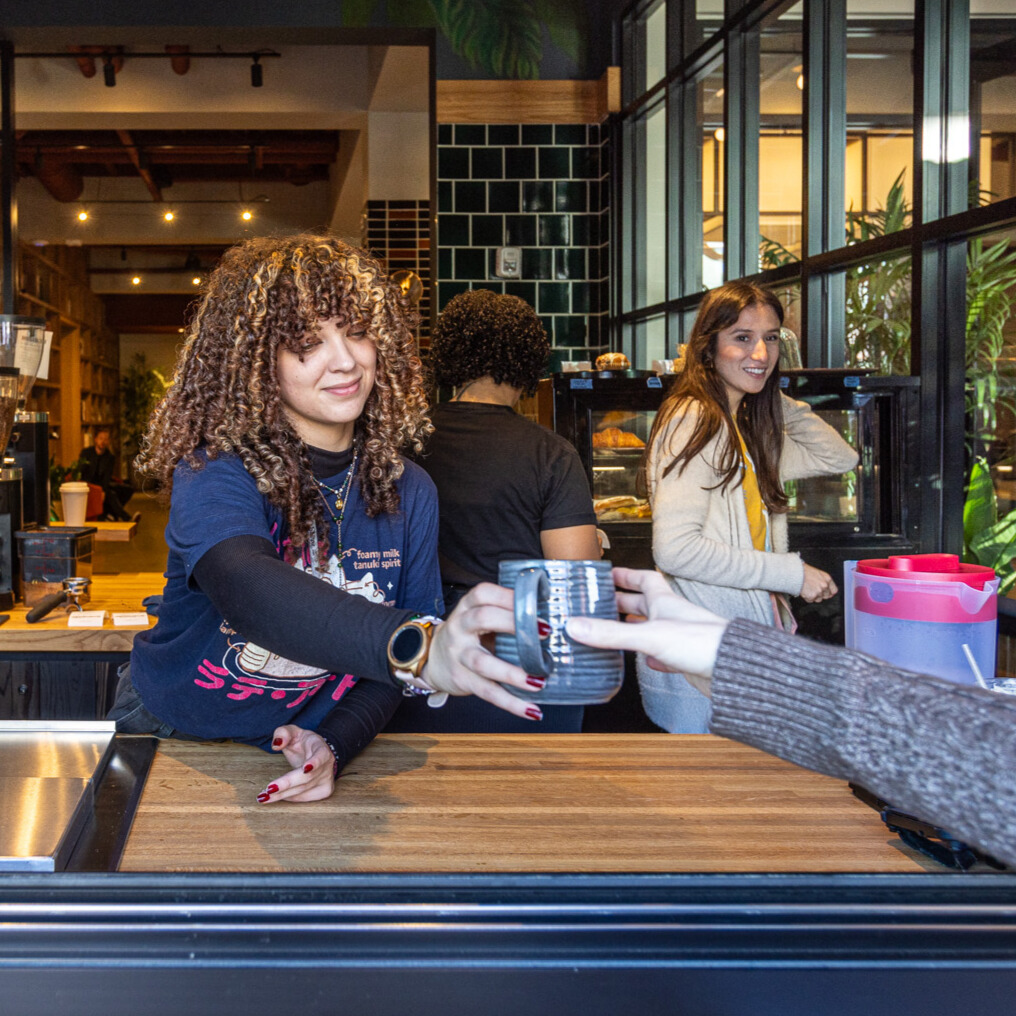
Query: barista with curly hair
{"x": 507, "y": 487}
{"x": 301, "y": 543}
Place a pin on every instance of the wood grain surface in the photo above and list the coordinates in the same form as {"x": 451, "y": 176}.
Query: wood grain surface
{"x": 120, "y": 592}
{"x": 110, "y": 532}
{"x": 502, "y": 101}
{"x": 512, "y": 803}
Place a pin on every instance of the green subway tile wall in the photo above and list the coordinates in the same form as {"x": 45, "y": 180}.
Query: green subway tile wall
{"x": 541, "y": 187}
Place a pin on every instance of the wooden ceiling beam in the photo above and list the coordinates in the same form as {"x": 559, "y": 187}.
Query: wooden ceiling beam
{"x": 139, "y": 164}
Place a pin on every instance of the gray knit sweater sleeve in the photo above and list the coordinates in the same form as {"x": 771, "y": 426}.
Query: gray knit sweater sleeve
{"x": 941, "y": 751}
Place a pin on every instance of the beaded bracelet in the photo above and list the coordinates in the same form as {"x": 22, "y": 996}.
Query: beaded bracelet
{"x": 335, "y": 756}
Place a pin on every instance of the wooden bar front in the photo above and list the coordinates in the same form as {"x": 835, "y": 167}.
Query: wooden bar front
{"x": 492, "y": 803}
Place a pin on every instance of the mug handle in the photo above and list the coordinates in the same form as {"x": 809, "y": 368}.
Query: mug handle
{"x": 530, "y": 584}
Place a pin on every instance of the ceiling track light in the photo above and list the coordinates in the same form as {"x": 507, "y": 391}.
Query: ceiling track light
{"x": 113, "y": 57}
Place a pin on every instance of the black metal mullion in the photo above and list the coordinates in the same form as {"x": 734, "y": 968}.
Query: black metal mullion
{"x": 825, "y": 125}
{"x": 685, "y": 200}
{"x": 8, "y": 198}
{"x": 741, "y": 126}
{"x": 940, "y": 265}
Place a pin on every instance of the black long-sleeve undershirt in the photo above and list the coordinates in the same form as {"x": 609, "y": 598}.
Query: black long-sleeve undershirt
{"x": 295, "y": 614}
{"x": 309, "y": 621}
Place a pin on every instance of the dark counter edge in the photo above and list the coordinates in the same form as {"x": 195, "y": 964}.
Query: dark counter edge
{"x": 441, "y": 944}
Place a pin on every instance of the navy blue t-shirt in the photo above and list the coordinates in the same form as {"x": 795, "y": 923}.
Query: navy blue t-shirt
{"x": 195, "y": 672}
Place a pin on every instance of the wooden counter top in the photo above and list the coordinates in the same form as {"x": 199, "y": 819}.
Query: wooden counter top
{"x": 120, "y": 592}
{"x": 512, "y": 803}
{"x": 110, "y": 532}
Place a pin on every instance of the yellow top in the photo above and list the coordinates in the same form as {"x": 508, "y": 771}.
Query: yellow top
{"x": 752, "y": 498}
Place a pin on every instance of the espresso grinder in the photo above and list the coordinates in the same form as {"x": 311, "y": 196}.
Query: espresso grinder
{"x": 29, "y": 439}
{"x": 22, "y": 342}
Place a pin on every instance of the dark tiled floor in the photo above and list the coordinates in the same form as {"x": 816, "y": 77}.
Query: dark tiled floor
{"x": 147, "y": 551}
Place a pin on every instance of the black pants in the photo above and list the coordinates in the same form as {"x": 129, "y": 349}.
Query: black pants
{"x": 113, "y": 500}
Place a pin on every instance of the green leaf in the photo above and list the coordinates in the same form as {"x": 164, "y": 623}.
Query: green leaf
{"x": 499, "y": 36}
{"x": 567, "y": 24}
{"x": 996, "y": 546}
{"x": 980, "y": 511}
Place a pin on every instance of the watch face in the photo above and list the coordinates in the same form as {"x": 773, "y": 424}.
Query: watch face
{"x": 407, "y": 644}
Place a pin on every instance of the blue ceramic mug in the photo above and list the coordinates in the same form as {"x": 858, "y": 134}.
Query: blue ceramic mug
{"x": 547, "y": 593}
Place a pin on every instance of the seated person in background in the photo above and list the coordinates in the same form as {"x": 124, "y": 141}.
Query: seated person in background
{"x": 507, "y": 487}
{"x": 942, "y": 751}
{"x": 302, "y": 546}
{"x": 97, "y": 466}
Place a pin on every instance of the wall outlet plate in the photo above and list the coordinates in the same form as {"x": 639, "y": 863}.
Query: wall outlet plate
{"x": 508, "y": 262}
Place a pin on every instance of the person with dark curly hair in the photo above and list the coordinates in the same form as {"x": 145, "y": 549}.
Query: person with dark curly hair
{"x": 302, "y": 546}
{"x": 507, "y": 487}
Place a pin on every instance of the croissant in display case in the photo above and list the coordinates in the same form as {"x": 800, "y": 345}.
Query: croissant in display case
{"x": 614, "y": 437}
{"x": 612, "y": 361}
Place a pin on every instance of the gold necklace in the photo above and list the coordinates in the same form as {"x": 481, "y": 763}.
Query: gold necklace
{"x": 341, "y": 496}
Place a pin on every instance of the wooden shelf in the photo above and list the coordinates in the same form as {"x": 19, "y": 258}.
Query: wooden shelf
{"x": 83, "y": 388}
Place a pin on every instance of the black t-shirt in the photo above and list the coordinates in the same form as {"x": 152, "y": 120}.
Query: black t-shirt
{"x": 501, "y": 480}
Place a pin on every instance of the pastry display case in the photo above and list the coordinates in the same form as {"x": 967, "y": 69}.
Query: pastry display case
{"x": 608, "y": 415}
{"x": 868, "y": 512}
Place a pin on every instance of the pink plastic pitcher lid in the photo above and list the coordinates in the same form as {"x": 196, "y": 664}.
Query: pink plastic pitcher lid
{"x": 929, "y": 567}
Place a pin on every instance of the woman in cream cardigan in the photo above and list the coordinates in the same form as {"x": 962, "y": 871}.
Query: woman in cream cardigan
{"x": 722, "y": 445}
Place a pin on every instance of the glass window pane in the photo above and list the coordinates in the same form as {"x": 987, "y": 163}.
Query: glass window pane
{"x": 655, "y": 28}
{"x": 650, "y": 342}
{"x": 711, "y": 154}
{"x": 880, "y": 117}
{"x": 653, "y": 249}
{"x": 878, "y": 319}
{"x": 991, "y": 402}
{"x": 993, "y": 99}
{"x": 703, "y": 18}
{"x": 780, "y": 153}
{"x": 790, "y": 296}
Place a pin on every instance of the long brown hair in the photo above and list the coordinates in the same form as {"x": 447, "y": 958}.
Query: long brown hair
{"x": 224, "y": 398}
{"x": 759, "y": 417}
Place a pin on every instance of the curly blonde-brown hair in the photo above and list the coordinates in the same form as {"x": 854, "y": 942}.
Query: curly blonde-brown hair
{"x": 269, "y": 292}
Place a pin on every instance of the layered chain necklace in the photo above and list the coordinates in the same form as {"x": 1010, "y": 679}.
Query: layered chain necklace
{"x": 341, "y": 499}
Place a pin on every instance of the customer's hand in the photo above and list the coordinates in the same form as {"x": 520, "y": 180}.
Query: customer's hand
{"x": 312, "y": 777}
{"x": 461, "y": 661}
{"x": 674, "y": 634}
{"x": 818, "y": 585}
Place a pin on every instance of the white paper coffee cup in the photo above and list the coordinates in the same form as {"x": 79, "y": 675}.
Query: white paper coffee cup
{"x": 74, "y": 501}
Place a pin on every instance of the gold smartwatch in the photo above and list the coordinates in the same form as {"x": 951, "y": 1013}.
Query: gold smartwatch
{"x": 408, "y": 649}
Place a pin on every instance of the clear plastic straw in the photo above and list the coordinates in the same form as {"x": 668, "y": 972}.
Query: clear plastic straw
{"x": 973, "y": 666}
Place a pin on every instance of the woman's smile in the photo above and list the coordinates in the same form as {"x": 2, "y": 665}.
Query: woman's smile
{"x": 325, "y": 387}
{"x": 747, "y": 352}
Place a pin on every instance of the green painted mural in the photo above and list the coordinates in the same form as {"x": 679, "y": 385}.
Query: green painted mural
{"x": 498, "y": 38}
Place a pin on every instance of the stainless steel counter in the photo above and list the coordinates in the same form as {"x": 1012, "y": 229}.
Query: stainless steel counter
{"x": 48, "y": 773}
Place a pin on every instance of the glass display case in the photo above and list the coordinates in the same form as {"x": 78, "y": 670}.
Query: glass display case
{"x": 608, "y": 416}
{"x": 867, "y": 512}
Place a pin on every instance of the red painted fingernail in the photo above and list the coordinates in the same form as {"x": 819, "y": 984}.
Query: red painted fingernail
{"x": 308, "y": 767}
{"x": 277, "y": 742}
{"x": 262, "y": 798}
{"x": 543, "y": 629}
{"x": 533, "y": 713}
{"x": 535, "y": 682}
{"x": 272, "y": 788}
